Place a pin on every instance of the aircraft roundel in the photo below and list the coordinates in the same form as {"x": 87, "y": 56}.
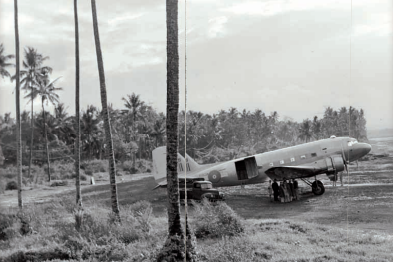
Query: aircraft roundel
{"x": 214, "y": 176}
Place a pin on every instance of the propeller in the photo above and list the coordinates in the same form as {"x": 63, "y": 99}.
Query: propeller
{"x": 345, "y": 163}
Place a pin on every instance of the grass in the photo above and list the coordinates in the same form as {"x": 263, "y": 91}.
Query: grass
{"x": 141, "y": 235}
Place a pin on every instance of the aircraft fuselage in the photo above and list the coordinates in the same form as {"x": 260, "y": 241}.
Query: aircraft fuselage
{"x": 306, "y": 160}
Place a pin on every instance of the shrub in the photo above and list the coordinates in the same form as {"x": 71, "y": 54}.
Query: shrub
{"x": 11, "y": 185}
{"x": 216, "y": 220}
{"x": 141, "y": 166}
{"x": 6, "y": 221}
{"x": 83, "y": 177}
{"x": 59, "y": 183}
{"x": 95, "y": 166}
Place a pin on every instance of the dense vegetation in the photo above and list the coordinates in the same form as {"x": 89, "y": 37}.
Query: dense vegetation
{"x": 47, "y": 232}
{"x": 138, "y": 128}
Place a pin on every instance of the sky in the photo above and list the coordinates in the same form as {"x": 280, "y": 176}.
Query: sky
{"x": 295, "y": 57}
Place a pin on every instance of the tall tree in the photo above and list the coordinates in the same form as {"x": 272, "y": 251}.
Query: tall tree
{"x": 18, "y": 129}
{"x": 77, "y": 110}
{"x": 173, "y": 247}
{"x": 104, "y": 104}
{"x": 46, "y": 90}
{"x": 305, "y": 131}
{"x": 134, "y": 104}
{"x": 30, "y": 75}
{"x": 4, "y": 63}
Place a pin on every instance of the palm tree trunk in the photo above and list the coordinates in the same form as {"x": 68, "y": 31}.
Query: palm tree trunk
{"x": 46, "y": 141}
{"x": 104, "y": 104}
{"x": 174, "y": 247}
{"x": 31, "y": 136}
{"x": 172, "y": 117}
{"x": 17, "y": 98}
{"x": 77, "y": 110}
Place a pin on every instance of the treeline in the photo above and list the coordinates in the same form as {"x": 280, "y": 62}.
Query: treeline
{"x": 137, "y": 129}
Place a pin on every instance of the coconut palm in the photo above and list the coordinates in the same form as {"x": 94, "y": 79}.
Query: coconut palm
{"x": 172, "y": 249}
{"x": 90, "y": 120}
{"x": 134, "y": 106}
{"x": 106, "y": 118}
{"x": 77, "y": 117}
{"x": 46, "y": 90}
{"x": 17, "y": 97}
{"x": 4, "y": 63}
{"x": 33, "y": 67}
{"x": 305, "y": 130}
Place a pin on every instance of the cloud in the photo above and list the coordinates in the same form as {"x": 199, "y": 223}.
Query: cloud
{"x": 216, "y": 26}
{"x": 121, "y": 19}
{"x": 275, "y": 7}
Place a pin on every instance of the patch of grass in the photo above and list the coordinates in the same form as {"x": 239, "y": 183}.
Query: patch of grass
{"x": 141, "y": 235}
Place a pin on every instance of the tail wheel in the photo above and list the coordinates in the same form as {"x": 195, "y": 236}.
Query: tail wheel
{"x": 318, "y": 188}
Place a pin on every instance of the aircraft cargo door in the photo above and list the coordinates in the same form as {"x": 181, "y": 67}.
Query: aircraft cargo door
{"x": 246, "y": 168}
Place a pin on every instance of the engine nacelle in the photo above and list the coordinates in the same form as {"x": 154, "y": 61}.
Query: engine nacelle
{"x": 335, "y": 164}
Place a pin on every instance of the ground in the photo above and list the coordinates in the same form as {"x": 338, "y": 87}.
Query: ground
{"x": 365, "y": 203}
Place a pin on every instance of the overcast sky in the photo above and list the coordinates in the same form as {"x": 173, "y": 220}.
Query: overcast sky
{"x": 287, "y": 56}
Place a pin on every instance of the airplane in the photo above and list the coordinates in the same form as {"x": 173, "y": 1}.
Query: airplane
{"x": 327, "y": 156}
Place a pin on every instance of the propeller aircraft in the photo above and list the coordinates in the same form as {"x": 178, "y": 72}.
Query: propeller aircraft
{"x": 327, "y": 156}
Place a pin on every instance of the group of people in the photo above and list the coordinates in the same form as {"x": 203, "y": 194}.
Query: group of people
{"x": 287, "y": 191}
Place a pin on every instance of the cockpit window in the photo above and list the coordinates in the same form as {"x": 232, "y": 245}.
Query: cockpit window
{"x": 351, "y": 143}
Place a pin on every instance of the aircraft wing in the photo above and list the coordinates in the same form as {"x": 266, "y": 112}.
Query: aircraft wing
{"x": 291, "y": 172}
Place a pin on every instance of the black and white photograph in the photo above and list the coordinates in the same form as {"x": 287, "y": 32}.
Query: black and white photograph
{"x": 196, "y": 130}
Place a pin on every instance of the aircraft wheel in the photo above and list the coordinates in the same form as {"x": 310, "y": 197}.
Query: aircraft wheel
{"x": 318, "y": 190}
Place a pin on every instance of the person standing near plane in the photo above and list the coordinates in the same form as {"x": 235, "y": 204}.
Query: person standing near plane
{"x": 276, "y": 190}
{"x": 270, "y": 190}
{"x": 286, "y": 191}
{"x": 341, "y": 178}
{"x": 296, "y": 188}
{"x": 292, "y": 190}
{"x": 335, "y": 178}
{"x": 282, "y": 195}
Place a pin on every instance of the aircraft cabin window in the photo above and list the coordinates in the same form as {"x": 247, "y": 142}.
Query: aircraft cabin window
{"x": 271, "y": 164}
{"x": 313, "y": 154}
{"x": 303, "y": 157}
{"x": 292, "y": 159}
{"x": 281, "y": 161}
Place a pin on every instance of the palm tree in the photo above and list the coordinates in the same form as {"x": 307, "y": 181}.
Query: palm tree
{"x": 77, "y": 120}
{"x": 134, "y": 105}
{"x": 107, "y": 124}
{"x": 4, "y": 63}
{"x": 172, "y": 249}
{"x": 90, "y": 120}
{"x": 17, "y": 97}
{"x": 45, "y": 89}
{"x": 305, "y": 131}
{"x": 33, "y": 68}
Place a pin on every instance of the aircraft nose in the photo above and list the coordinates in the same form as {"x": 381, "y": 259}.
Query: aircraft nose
{"x": 360, "y": 150}
{"x": 367, "y": 148}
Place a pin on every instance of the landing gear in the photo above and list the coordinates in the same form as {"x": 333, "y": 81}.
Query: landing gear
{"x": 317, "y": 186}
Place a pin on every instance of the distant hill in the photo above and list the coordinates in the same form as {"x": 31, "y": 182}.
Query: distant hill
{"x": 387, "y": 132}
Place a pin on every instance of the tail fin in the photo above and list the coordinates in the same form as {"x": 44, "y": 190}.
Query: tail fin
{"x": 159, "y": 164}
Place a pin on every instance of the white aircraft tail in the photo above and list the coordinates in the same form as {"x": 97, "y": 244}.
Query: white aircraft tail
{"x": 159, "y": 164}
